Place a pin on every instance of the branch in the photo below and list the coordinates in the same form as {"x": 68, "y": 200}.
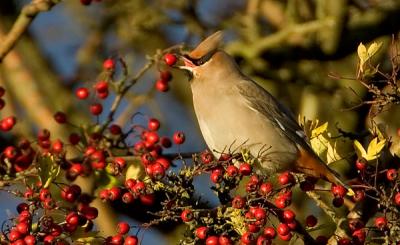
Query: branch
{"x": 27, "y": 15}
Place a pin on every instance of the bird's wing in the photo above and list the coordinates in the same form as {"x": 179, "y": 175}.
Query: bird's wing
{"x": 262, "y": 101}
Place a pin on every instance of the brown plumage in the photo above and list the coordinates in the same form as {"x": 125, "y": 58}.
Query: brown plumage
{"x": 234, "y": 111}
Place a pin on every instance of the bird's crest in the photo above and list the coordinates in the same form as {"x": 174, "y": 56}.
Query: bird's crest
{"x": 210, "y": 44}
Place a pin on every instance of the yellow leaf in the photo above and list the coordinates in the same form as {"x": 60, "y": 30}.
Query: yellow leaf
{"x": 360, "y": 151}
{"x": 362, "y": 55}
{"x": 320, "y": 145}
{"x": 135, "y": 171}
{"x": 332, "y": 153}
{"x": 374, "y": 149}
{"x": 320, "y": 130}
{"x": 373, "y": 48}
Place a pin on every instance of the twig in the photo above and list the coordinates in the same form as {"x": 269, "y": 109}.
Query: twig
{"x": 27, "y": 15}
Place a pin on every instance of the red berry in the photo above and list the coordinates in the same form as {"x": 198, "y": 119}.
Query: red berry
{"x": 128, "y": 197}
{"x": 166, "y": 142}
{"x": 216, "y": 177}
{"x": 90, "y": 212}
{"x": 224, "y": 240}
{"x": 397, "y": 199}
{"x": 8, "y": 123}
{"x": 283, "y": 229}
{"x": 170, "y": 59}
{"x": 60, "y": 117}
{"x": 179, "y": 137}
{"x": 232, "y": 171}
{"x": 247, "y": 238}
{"x": 380, "y": 223}
{"x": 123, "y": 228}
{"x": 157, "y": 170}
{"x": 286, "y": 178}
{"x": 96, "y": 109}
{"x": 288, "y": 215}
{"x": 109, "y": 64}
{"x": 2, "y": 91}
{"x": 359, "y": 195}
{"x": 260, "y": 214}
{"x": 238, "y": 202}
{"x": 147, "y": 200}
{"x": 82, "y": 93}
{"x": 131, "y": 240}
{"x": 14, "y": 235}
{"x": 212, "y": 240}
{"x": 269, "y": 232}
{"x": 207, "y": 157}
{"x": 153, "y": 124}
{"x": 344, "y": 241}
{"x": 44, "y": 194}
{"x": 115, "y": 129}
{"x": 391, "y": 174}
{"x": 117, "y": 240}
{"x": 245, "y": 169}
{"x": 74, "y": 138}
{"x": 57, "y": 146}
{"x": 10, "y": 152}
{"x": 102, "y": 95}
{"x": 359, "y": 236}
{"x": 72, "y": 219}
{"x": 86, "y": 2}
{"x": 338, "y": 190}
{"x": 338, "y": 202}
{"x": 201, "y": 232}
{"x": 164, "y": 162}
{"x": 321, "y": 240}
{"x": 361, "y": 164}
{"x": 285, "y": 237}
{"x": 30, "y": 240}
{"x": 162, "y": 85}
{"x": 101, "y": 86}
{"x": 164, "y": 75}
{"x": 311, "y": 221}
{"x": 23, "y": 228}
{"x": 151, "y": 137}
{"x": 114, "y": 193}
{"x": 2, "y": 103}
{"x": 266, "y": 188}
{"x": 187, "y": 215}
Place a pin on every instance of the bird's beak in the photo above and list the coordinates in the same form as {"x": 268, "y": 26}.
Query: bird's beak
{"x": 188, "y": 64}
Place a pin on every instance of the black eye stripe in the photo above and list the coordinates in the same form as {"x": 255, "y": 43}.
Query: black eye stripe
{"x": 201, "y": 60}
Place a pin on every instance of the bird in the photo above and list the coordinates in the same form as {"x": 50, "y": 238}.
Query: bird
{"x": 233, "y": 111}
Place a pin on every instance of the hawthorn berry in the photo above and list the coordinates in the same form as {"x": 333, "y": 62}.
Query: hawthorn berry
{"x": 96, "y": 109}
{"x": 338, "y": 190}
{"x": 337, "y": 201}
{"x": 82, "y": 93}
{"x": 115, "y": 129}
{"x": 207, "y": 157}
{"x": 147, "y": 200}
{"x": 247, "y": 238}
{"x": 123, "y": 228}
{"x": 266, "y": 188}
{"x": 187, "y": 215}
{"x": 161, "y": 85}
{"x": 269, "y": 232}
{"x": 391, "y": 174}
{"x": 216, "y": 177}
{"x": 153, "y": 124}
{"x": 179, "y": 137}
{"x": 288, "y": 215}
{"x": 283, "y": 229}
{"x": 60, "y": 117}
{"x": 245, "y": 169}
{"x": 128, "y": 197}
{"x": 224, "y": 240}
{"x": 212, "y": 240}
{"x": 131, "y": 240}
{"x": 101, "y": 86}
{"x": 380, "y": 223}
{"x": 7, "y": 123}
{"x": 311, "y": 220}
{"x": 285, "y": 178}
{"x": 166, "y": 75}
{"x": 108, "y": 64}
{"x": 238, "y": 202}
{"x": 201, "y": 232}
{"x": 397, "y": 198}
{"x": 170, "y": 59}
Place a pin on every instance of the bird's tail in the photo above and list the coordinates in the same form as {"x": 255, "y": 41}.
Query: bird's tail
{"x": 311, "y": 164}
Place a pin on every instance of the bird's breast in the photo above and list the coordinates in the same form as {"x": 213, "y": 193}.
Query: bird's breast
{"x": 227, "y": 122}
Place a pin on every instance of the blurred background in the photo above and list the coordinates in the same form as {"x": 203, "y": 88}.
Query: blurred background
{"x": 293, "y": 48}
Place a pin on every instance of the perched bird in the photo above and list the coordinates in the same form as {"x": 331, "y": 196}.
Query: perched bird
{"x": 235, "y": 112}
